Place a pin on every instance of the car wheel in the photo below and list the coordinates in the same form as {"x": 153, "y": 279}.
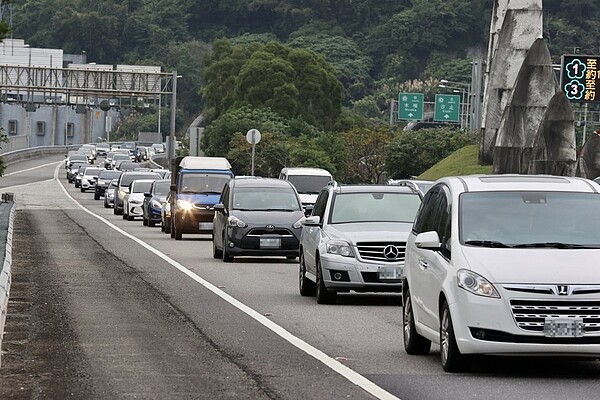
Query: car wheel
{"x": 96, "y": 196}
{"x": 162, "y": 227}
{"x": 167, "y": 226}
{"x": 452, "y": 359}
{"x": 124, "y": 215}
{"x": 151, "y": 223}
{"x": 306, "y": 286}
{"x": 323, "y": 295}
{"x": 226, "y": 256}
{"x": 414, "y": 343}
{"x": 144, "y": 221}
{"x": 216, "y": 252}
{"x": 106, "y": 205}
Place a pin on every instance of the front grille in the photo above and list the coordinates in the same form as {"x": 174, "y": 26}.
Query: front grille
{"x": 376, "y": 251}
{"x": 531, "y": 314}
{"x": 263, "y": 231}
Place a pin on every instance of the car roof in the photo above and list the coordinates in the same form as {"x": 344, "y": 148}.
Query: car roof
{"x": 372, "y": 189}
{"x": 305, "y": 171}
{"x": 256, "y": 181}
{"x": 515, "y": 182}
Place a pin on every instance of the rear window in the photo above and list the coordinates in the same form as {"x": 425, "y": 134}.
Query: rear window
{"x": 126, "y": 179}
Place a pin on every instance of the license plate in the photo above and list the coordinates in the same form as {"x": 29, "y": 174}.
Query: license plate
{"x": 270, "y": 243}
{"x": 205, "y": 226}
{"x": 563, "y": 327}
{"x": 389, "y": 273}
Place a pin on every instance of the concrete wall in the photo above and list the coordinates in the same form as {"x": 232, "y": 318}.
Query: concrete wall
{"x": 7, "y": 216}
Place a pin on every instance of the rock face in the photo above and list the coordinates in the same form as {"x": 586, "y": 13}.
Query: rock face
{"x": 588, "y": 165}
{"x": 554, "y": 151}
{"x": 534, "y": 86}
{"x": 516, "y": 25}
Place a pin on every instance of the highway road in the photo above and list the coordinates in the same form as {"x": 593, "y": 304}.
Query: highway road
{"x": 102, "y": 307}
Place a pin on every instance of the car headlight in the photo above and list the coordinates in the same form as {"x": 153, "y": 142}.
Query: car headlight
{"x": 184, "y": 205}
{"x": 236, "y": 222}
{"x": 476, "y": 284}
{"x": 340, "y": 247}
{"x": 298, "y": 224}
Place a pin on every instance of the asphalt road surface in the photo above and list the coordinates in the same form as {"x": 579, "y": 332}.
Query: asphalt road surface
{"x": 106, "y": 308}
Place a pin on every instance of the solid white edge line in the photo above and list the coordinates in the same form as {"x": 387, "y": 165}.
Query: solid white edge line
{"x": 335, "y": 365}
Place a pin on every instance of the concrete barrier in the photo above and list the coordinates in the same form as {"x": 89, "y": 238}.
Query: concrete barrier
{"x": 23, "y": 154}
{"x": 7, "y": 216}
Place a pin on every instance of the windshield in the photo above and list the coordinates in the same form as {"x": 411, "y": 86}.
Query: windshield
{"x": 530, "y": 219}
{"x": 374, "y": 207}
{"x": 263, "y": 199}
{"x": 309, "y": 184}
{"x": 93, "y": 171}
{"x": 108, "y": 174}
{"x": 203, "y": 183}
{"x": 141, "y": 186}
{"x": 162, "y": 188}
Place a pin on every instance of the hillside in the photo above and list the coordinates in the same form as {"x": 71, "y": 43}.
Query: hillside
{"x": 462, "y": 162}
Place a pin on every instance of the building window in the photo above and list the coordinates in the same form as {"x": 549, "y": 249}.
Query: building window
{"x": 70, "y": 129}
{"x": 41, "y": 128}
{"x": 12, "y": 127}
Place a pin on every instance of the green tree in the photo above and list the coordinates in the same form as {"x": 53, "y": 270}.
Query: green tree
{"x": 296, "y": 83}
{"x": 413, "y": 152}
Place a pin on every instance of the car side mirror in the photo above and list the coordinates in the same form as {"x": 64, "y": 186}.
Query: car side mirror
{"x": 428, "y": 241}
{"x": 219, "y": 207}
{"x": 147, "y": 194}
{"x": 312, "y": 221}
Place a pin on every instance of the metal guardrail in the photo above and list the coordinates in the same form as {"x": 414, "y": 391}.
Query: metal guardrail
{"x": 22, "y": 154}
{"x": 7, "y": 216}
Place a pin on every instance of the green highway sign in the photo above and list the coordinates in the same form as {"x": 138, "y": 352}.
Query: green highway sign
{"x": 410, "y": 106}
{"x": 447, "y": 108}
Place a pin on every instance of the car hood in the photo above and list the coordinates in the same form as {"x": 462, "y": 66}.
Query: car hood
{"x": 197, "y": 198}
{"x": 281, "y": 218}
{"x": 370, "y": 231}
{"x": 135, "y": 196}
{"x": 542, "y": 266}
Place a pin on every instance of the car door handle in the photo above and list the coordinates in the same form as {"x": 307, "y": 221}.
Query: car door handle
{"x": 423, "y": 264}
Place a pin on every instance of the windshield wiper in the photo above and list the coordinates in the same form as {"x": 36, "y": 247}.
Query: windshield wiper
{"x": 487, "y": 243}
{"x": 555, "y": 245}
{"x": 277, "y": 209}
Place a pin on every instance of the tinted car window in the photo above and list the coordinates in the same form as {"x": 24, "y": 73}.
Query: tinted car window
{"x": 260, "y": 198}
{"x": 203, "y": 183}
{"x": 141, "y": 187}
{"x": 126, "y": 178}
{"x": 309, "y": 184}
{"x": 109, "y": 174}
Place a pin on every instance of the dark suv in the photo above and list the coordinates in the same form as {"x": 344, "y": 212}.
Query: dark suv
{"x": 257, "y": 217}
{"x": 104, "y": 178}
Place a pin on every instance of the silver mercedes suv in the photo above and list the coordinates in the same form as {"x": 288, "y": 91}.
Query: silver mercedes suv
{"x": 355, "y": 239}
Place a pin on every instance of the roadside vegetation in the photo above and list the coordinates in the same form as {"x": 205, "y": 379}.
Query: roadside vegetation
{"x": 316, "y": 78}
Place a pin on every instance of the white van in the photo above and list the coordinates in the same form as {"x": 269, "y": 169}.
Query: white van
{"x": 504, "y": 264}
{"x": 307, "y": 181}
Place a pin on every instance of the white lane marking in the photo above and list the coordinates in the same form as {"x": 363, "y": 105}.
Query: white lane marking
{"x": 32, "y": 168}
{"x": 335, "y": 365}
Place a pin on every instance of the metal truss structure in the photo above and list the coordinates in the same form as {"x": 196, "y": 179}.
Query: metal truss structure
{"x": 87, "y": 87}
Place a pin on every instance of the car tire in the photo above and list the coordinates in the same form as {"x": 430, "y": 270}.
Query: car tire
{"x": 130, "y": 217}
{"x": 451, "y": 357}
{"x": 306, "y": 286}
{"x": 151, "y": 223}
{"x": 96, "y": 196}
{"x": 106, "y": 205}
{"x": 144, "y": 221}
{"x": 176, "y": 230}
{"x": 323, "y": 295}
{"x": 414, "y": 343}
{"x": 216, "y": 252}
{"x": 124, "y": 215}
{"x": 226, "y": 256}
